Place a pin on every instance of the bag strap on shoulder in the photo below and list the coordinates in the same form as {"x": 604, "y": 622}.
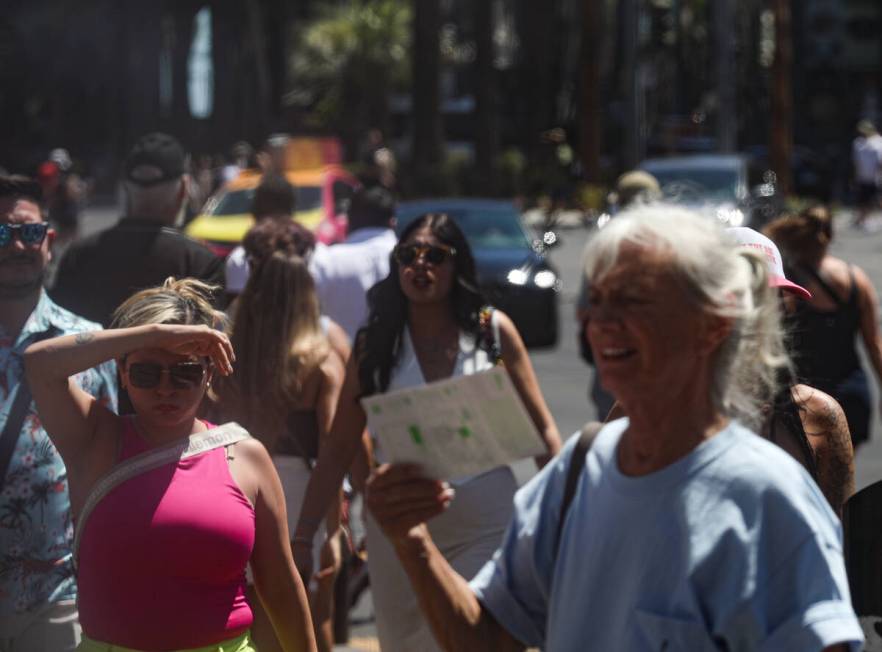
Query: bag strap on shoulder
{"x": 574, "y": 470}
{"x": 196, "y": 444}
{"x": 488, "y": 321}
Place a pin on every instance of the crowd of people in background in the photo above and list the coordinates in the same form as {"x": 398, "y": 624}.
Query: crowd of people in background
{"x": 178, "y": 429}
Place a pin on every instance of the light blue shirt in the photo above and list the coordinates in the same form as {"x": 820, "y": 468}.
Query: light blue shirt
{"x": 35, "y": 521}
{"x": 732, "y": 545}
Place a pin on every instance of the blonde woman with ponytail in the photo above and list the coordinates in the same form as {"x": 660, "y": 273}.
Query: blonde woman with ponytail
{"x": 678, "y": 528}
{"x": 169, "y": 509}
{"x": 284, "y": 389}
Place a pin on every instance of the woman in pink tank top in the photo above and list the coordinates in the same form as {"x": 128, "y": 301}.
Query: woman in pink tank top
{"x": 162, "y": 555}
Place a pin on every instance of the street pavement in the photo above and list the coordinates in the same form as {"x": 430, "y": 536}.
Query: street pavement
{"x": 565, "y": 378}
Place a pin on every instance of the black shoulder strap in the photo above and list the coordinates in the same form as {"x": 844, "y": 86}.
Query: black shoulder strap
{"x": 574, "y": 470}
{"x": 829, "y": 291}
{"x": 853, "y": 294}
{"x": 15, "y": 418}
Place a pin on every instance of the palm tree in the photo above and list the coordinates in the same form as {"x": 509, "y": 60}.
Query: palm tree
{"x": 345, "y": 65}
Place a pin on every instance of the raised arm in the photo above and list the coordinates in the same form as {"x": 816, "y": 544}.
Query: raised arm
{"x": 402, "y": 500}
{"x": 279, "y": 586}
{"x": 71, "y": 416}
{"x": 520, "y": 369}
{"x": 335, "y": 456}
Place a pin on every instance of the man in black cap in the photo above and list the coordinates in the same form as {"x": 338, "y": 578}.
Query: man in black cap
{"x": 145, "y": 247}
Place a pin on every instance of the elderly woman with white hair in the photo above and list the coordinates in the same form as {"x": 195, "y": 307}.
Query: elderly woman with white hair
{"x": 682, "y": 530}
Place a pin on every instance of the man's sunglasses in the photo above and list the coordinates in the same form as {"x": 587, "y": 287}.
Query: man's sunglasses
{"x": 434, "y": 254}
{"x": 29, "y": 234}
{"x": 183, "y": 375}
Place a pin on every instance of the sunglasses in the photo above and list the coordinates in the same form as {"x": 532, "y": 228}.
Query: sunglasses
{"x": 183, "y": 375}
{"x": 434, "y": 254}
{"x": 29, "y": 234}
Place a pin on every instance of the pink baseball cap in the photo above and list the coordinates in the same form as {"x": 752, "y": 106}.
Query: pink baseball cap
{"x": 749, "y": 239}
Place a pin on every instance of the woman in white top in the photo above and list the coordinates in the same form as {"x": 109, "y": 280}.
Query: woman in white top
{"x": 427, "y": 322}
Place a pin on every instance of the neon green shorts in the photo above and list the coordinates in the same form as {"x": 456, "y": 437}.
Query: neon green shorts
{"x": 239, "y": 644}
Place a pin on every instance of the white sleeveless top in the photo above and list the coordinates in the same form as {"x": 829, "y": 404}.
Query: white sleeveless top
{"x": 469, "y": 360}
{"x": 467, "y": 533}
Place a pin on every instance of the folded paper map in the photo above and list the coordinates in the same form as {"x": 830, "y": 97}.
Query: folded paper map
{"x": 455, "y": 427}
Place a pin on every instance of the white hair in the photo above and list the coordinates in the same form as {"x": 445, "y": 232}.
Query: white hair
{"x": 723, "y": 281}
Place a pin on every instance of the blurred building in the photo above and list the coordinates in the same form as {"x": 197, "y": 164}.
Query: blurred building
{"x": 836, "y": 79}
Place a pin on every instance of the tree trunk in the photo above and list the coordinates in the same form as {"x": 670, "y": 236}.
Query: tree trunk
{"x": 277, "y": 20}
{"x": 592, "y": 117}
{"x": 141, "y": 55}
{"x": 727, "y": 74}
{"x": 260, "y": 70}
{"x": 633, "y": 90}
{"x": 225, "y": 52}
{"x": 485, "y": 95}
{"x": 181, "y": 15}
{"x": 536, "y": 31}
{"x": 427, "y": 128}
{"x": 782, "y": 97}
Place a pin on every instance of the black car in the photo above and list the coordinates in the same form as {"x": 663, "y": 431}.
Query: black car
{"x": 513, "y": 272}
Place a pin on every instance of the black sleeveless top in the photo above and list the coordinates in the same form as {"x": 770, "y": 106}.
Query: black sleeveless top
{"x": 300, "y": 438}
{"x": 822, "y": 342}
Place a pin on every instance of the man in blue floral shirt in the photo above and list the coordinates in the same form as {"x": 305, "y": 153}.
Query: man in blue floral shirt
{"x": 37, "y": 588}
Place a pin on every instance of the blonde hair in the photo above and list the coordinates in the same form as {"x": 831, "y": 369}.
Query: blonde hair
{"x": 723, "y": 281}
{"x": 803, "y": 237}
{"x": 177, "y": 301}
{"x": 279, "y": 342}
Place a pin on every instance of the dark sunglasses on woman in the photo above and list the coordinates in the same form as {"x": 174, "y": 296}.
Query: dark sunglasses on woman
{"x": 434, "y": 254}
{"x": 183, "y": 375}
{"x": 30, "y": 233}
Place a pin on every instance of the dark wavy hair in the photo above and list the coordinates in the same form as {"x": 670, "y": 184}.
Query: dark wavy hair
{"x": 378, "y": 342}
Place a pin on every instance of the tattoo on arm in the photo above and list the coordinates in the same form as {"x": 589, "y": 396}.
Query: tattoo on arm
{"x": 836, "y": 459}
{"x": 84, "y": 338}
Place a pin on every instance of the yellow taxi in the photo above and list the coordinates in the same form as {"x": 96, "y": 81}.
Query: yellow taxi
{"x": 323, "y": 196}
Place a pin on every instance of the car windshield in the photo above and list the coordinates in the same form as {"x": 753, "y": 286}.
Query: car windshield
{"x": 237, "y": 202}
{"x": 484, "y": 228}
{"x": 689, "y": 184}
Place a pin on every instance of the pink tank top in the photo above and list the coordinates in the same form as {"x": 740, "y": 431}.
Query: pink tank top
{"x": 162, "y": 559}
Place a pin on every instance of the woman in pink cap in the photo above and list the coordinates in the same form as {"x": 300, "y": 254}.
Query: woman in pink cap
{"x": 806, "y": 422}
{"x": 844, "y": 304}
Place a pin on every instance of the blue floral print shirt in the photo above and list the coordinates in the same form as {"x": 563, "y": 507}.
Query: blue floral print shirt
{"x": 36, "y": 530}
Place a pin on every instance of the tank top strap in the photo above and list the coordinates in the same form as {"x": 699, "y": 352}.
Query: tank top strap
{"x": 827, "y": 288}
{"x": 853, "y": 292}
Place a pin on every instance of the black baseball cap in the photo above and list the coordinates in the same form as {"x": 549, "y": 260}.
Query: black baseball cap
{"x": 155, "y": 158}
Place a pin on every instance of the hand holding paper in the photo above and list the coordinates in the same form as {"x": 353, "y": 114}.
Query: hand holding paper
{"x": 455, "y": 427}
